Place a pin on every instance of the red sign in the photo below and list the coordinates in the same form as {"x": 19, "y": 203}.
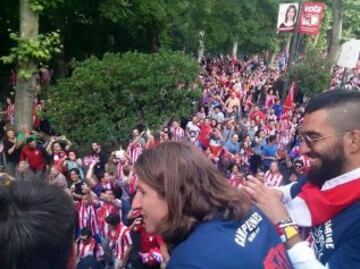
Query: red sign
{"x": 311, "y": 17}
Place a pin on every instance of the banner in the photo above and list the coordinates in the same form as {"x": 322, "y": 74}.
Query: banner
{"x": 287, "y": 17}
{"x": 349, "y": 54}
{"x": 311, "y": 17}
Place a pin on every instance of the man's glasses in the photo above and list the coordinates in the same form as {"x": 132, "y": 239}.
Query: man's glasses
{"x": 298, "y": 166}
{"x": 309, "y": 141}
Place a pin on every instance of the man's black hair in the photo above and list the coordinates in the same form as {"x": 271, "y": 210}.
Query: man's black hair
{"x": 36, "y": 226}
{"x": 113, "y": 219}
{"x": 86, "y": 232}
{"x": 342, "y": 106}
{"x": 272, "y": 138}
{"x": 76, "y": 170}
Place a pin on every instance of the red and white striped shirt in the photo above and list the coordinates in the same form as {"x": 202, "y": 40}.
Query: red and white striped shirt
{"x": 273, "y": 179}
{"x": 103, "y": 211}
{"x": 120, "y": 241}
{"x": 87, "y": 216}
{"x": 177, "y": 133}
{"x": 134, "y": 150}
{"x": 91, "y": 249}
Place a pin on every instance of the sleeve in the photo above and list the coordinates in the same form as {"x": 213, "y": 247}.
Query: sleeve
{"x": 7, "y": 146}
{"x": 127, "y": 238}
{"x": 23, "y": 154}
{"x": 303, "y": 257}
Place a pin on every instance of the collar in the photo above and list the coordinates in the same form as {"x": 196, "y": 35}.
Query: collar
{"x": 342, "y": 179}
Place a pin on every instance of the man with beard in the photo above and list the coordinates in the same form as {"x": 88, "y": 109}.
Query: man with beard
{"x": 329, "y": 201}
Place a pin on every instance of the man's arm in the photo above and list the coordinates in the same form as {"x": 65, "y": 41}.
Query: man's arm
{"x": 269, "y": 200}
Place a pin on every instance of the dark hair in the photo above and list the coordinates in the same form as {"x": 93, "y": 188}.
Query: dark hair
{"x": 288, "y": 10}
{"x": 272, "y": 138}
{"x": 299, "y": 162}
{"x": 36, "y": 226}
{"x": 126, "y": 170}
{"x": 113, "y": 219}
{"x": 193, "y": 188}
{"x": 342, "y": 106}
{"x": 86, "y": 232}
{"x": 76, "y": 170}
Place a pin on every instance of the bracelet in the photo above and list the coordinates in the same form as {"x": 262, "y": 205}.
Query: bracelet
{"x": 287, "y": 229}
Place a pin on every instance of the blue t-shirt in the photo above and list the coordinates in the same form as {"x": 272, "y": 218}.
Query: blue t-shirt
{"x": 269, "y": 151}
{"x": 337, "y": 242}
{"x": 248, "y": 243}
{"x": 232, "y": 147}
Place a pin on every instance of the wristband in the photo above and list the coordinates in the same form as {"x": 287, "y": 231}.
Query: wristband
{"x": 287, "y": 229}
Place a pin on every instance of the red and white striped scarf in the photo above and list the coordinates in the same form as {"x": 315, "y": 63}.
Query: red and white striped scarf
{"x": 314, "y": 206}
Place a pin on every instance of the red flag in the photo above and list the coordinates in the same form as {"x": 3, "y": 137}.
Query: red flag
{"x": 289, "y": 101}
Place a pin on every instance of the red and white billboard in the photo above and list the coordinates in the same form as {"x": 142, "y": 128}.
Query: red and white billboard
{"x": 311, "y": 18}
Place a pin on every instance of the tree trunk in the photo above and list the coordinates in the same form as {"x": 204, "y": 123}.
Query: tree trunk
{"x": 235, "y": 48}
{"x": 336, "y": 33}
{"x": 201, "y": 45}
{"x": 288, "y": 44}
{"x": 25, "y": 89}
{"x": 272, "y": 58}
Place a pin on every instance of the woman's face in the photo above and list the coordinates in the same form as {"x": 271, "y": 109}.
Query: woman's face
{"x": 235, "y": 169}
{"x": 10, "y": 134}
{"x": 74, "y": 176}
{"x": 106, "y": 178}
{"x": 274, "y": 167}
{"x": 153, "y": 207}
{"x": 291, "y": 14}
{"x": 56, "y": 147}
{"x": 72, "y": 156}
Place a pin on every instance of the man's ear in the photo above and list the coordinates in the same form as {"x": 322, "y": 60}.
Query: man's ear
{"x": 353, "y": 142}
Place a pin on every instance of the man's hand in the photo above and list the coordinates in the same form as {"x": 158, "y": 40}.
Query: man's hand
{"x": 269, "y": 200}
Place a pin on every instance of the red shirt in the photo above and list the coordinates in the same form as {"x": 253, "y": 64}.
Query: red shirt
{"x": 204, "y": 134}
{"x": 34, "y": 157}
{"x": 257, "y": 113}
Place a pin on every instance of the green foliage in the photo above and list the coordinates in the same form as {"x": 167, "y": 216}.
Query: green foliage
{"x": 40, "y": 5}
{"x": 40, "y": 49}
{"x": 351, "y": 19}
{"x": 251, "y": 23}
{"x": 115, "y": 10}
{"x": 313, "y": 73}
{"x": 104, "y": 99}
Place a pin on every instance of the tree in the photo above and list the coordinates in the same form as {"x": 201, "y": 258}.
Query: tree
{"x": 30, "y": 49}
{"x": 336, "y": 34}
{"x": 104, "y": 99}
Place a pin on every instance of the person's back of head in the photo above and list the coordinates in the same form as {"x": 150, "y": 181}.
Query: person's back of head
{"x": 36, "y": 226}
{"x": 113, "y": 219}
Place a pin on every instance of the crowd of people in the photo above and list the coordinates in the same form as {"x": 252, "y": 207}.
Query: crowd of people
{"x": 240, "y": 125}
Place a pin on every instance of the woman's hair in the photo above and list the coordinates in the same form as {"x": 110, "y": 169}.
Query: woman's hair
{"x": 193, "y": 188}
{"x": 288, "y": 10}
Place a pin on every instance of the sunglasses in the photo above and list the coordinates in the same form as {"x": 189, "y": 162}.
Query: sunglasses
{"x": 298, "y": 166}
